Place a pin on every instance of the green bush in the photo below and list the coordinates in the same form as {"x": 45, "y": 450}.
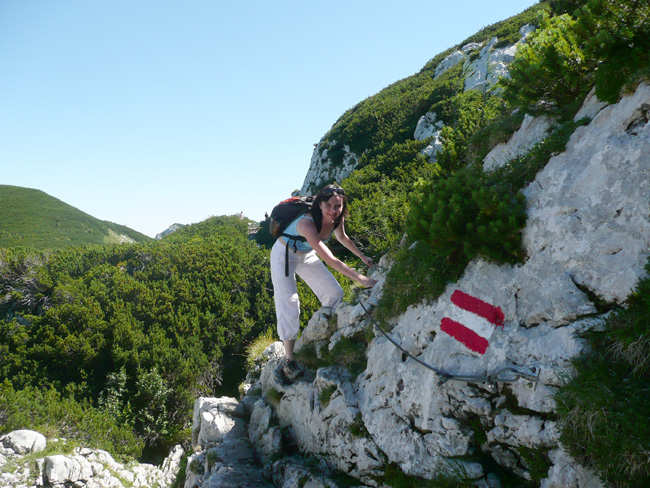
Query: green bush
{"x": 417, "y": 273}
{"x": 325, "y": 395}
{"x": 55, "y": 415}
{"x": 461, "y": 217}
{"x": 499, "y": 130}
{"x": 616, "y": 40}
{"x": 507, "y": 31}
{"x": 549, "y": 72}
{"x": 470, "y": 112}
{"x": 379, "y": 195}
{"x": 451, "y": 221}
{"x": 604, "y": 410}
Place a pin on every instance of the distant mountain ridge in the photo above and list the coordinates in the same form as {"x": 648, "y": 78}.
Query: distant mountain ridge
{"x": 32, "y": 218}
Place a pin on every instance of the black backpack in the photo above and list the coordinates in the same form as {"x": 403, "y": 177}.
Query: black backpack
{"x": 286, "y": 212}
{"x": 282, "y": 215}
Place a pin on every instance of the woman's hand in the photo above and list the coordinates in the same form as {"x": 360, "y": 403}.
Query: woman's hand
{"x": 366, "y": 260}
{"x": 366, "y": 282}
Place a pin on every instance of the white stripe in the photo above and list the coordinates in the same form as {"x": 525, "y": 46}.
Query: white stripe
{"x": 478, "y": 324}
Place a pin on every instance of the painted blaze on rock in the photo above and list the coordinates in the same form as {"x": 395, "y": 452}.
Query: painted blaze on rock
{"x": 475, "y": 321}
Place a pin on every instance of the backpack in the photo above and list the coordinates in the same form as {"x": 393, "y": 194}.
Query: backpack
{"x": 286, "y": 212}
{"x": 282, "y": 215}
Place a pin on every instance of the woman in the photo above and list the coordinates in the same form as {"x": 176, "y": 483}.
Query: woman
{"x": 327, "y": 215}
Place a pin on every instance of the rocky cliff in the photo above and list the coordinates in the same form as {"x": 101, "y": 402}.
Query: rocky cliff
{"x": 500, "y": 340}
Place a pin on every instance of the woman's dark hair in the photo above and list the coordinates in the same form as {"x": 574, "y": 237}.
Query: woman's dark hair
{"x": 323, "y": 195}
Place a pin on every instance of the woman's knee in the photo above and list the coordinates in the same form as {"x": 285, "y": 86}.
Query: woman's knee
{"x": 334, "y": 296}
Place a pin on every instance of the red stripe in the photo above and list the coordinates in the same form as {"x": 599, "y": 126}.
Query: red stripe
{"x": 479, "y": 307}
{"x": 467, "y": 336}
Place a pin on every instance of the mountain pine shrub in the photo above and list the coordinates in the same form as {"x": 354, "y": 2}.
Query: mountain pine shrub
{"x": 616, "y": 40}
{"x": 57, "y": 415}
{"x": 461, "y": 217}
{"x": 550, "y": 71}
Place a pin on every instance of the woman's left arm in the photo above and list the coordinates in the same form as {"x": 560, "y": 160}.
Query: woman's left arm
{"x": 349, "y": 244}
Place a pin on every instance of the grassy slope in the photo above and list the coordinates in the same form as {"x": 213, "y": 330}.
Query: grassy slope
{"x": 32, "y": 218}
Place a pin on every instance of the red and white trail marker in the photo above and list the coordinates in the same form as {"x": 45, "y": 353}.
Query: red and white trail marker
{"x": 471, "y": 321}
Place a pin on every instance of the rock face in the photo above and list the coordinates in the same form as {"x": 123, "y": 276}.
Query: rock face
{"x": 483, "y": 63}
{"x": 492, "y": 63}
{"x": 427, "y": 127}
{"x": 223, "y": 454}
{"x": 531, "y": 131}
{"x": 587, "y": 236}
{"x": 322, "y": 170}
{"x": 169, "y": 230}
{"x": 84, "y": 468}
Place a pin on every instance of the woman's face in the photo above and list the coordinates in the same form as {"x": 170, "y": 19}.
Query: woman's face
{"x": 331, "y": 208}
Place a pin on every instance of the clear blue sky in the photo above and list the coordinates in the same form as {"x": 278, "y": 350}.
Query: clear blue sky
{"x": 147, "y": 113}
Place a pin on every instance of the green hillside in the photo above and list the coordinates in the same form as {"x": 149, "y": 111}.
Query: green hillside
{"x": 32, "y": 218}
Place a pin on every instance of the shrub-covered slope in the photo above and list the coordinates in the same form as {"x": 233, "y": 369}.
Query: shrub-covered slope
{"x": 132, "y": 332}
{"x": 32, "y": 218}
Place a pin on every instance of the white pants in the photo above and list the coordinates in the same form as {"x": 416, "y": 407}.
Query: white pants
{"x": 285, "y": 293}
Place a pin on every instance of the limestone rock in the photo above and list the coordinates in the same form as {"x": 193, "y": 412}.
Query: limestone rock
{"x": 325, "y": 429}
{"x": 531, "y": 131}
{"x": 590, "y": 107}
{"x": 567, "y": 473}
{"x": 61, "y": 469}
{"x": 292, "y": 473}
{"x": 266, "y": 437}
{"x": 224, "y": 457}
{"x": 24, "y": 441}
{"x": 427, "y": 126}
{"x": 320, "y": 327}
{"x": 450, "y": 61}
{"x": 492, "y": 63}
{"x": 322, "y": 170}
{"x": 588, "y": 208}
{"x": 212, "y": 419}
{"x": 523, "y": 430}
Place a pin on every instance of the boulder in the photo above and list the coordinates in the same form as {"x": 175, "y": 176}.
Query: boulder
{"x": 24, "y": 441}
{"x": 61, "y": 469}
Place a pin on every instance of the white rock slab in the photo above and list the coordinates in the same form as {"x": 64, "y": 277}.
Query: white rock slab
{"x": 531, "y": 131}
{"x": 24, "y": 441}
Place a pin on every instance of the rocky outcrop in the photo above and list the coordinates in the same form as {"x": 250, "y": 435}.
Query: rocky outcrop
{"x": 532, "y": 131}
{"x": 587, "y": 239}
{"x": 428, "y": 127}
{"x": 492, "y": 62}
{"x": 20, "y": 442}
{"x": 323, "y": 170}
{"x": 223, "y": 456}
{"x": 169, "y": 230}
{"x": 484, "y": 63}
{"x": 82, "y": 468}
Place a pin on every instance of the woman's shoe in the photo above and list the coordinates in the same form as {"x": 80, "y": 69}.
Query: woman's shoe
{"x": 292, "y": 370}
